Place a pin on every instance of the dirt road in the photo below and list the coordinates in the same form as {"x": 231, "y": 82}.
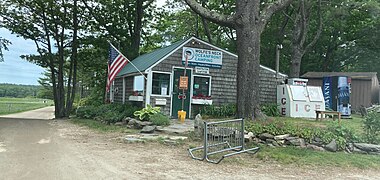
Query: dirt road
{"x": 47, "y": 149}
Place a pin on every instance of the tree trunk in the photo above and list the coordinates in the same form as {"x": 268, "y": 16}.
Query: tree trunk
{"x": 248, "y": 48}
{"x": 295, "y": 67}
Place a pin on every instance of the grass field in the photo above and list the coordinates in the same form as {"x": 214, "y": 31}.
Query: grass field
{"x": 15, "y": 105}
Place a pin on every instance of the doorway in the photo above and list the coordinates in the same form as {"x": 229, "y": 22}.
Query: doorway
{"x": 177, "y": 94}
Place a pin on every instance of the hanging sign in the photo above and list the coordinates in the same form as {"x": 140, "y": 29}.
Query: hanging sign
{"x": 202, "y": 70}
{"x": 183, "y": 81}
{"x": 202, "y": 57}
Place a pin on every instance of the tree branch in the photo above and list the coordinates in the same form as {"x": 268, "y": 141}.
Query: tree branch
{"x": 148, "y": 3}
{"x": 224, "y": 20}
{"x": 319, "y": 32}
{"x": 269, "y": 10}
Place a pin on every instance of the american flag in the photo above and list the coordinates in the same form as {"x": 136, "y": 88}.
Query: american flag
{"x": 116, "y": 62}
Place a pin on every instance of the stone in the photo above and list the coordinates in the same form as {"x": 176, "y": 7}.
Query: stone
{"x": 197, "y": 120}
{"x": 126, "y": 120}
{"x": 281, "y": 137}
{"x": 148, "y": 129}
{"x": 269, "y": 141}
{"x": 159, "y": 128}
{"x": 275, "y": 143}
{"x": 314, "y": 147}
{"x": 265, "y": 136}
{"x": 367, "y": 147}
{"x": 356, "y": 150}
{"x": 332, "y": 146}
{"x": 135, "y": 123}
{"x": 170, "y": 142}
{"x": 145, "y": 123}
{"x": 176, "y": 138}
{"x": 296, "y": 142}
{"x": 247, "y": 138}
{"x": 133, "y": 140}
{"x": 317, "y": 141}
{"x": 250, "y": 134}
{"x": 280, "y": 141}
{"x": 119, "y": 124}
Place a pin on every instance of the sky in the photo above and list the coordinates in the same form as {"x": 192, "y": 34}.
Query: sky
{"x": 14, "y": 69}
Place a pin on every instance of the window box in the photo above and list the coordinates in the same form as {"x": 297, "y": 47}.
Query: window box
{"x": 201, "y": 101}
{"x": 136, "y": 98}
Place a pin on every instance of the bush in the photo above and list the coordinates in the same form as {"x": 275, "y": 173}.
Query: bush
{"x": 146, "y": 113}
{"x": 372, "y": 127}
{"x": 213, "y": 111}
{"x": 159, "y": 119}
{"x": 270, "y": 110}
{"x": 110, "y": 113}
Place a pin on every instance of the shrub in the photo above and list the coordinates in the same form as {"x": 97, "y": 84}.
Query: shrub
{"x": 213, "y": 111}
{"x": 147, "y": 112}
{"x": 270, "y": 110}
{"x": 372, "y": 127}
{"x": 87, "y": 112}
{"x": 160, "y": 119}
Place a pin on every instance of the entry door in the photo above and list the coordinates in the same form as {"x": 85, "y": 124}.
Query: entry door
{"x": 177, "y": 94}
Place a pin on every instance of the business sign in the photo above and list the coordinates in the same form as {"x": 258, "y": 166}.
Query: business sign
{"x": 202, "y": 70}
{"x": 327, "y": 92}
{"x": 183, "y": 82}
{"x": 202, "y": 57}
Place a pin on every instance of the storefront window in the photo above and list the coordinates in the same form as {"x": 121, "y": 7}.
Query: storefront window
{"x": 138, "y": 86}
{"x": 160, "y": 84}
{"x": 201, "y": 87}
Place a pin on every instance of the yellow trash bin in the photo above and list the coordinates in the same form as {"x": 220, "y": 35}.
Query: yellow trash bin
{"x": 181, "y": 116}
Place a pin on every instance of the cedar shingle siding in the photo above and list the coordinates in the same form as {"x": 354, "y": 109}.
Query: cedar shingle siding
{"x": 223, "y": 81}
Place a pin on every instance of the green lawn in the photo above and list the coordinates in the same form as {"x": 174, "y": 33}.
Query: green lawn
{"x": 306, "y": 157}
{"x": 15, "y": 105}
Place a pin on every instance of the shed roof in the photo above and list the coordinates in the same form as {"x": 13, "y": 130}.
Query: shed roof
{"x": 353, "y": 75}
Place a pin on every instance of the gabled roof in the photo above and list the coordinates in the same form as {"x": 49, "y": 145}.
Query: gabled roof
{"x": 353, "y": 75}
{"x": 149, "y": 60}
{"x": 145, "y": 61}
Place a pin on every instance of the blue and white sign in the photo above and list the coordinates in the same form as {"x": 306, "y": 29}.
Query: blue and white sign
{"x": 202, "y": 57}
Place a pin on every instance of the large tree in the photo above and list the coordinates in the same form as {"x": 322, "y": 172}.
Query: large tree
{"x": 249, "y": 20}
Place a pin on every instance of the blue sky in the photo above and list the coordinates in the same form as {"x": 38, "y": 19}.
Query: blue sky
{"x": 15, "y": 70}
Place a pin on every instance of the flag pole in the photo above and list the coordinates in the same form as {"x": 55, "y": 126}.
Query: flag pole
{"x": 127, "y": 60}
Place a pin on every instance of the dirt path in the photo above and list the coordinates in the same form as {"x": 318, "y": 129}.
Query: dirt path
{"x": 47, "y": 149}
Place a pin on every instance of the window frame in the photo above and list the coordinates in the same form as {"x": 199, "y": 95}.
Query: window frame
{"x": 169, "y": 85}
{"x": 202, "y": 76}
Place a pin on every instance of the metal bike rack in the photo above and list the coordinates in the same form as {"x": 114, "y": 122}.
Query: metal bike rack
{"x": 222, "y": 136}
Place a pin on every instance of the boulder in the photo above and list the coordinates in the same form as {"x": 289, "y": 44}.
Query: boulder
{"x": 145, "y": 123}
{"x": 134, "y": 123}
{"x": 314, "y": 147}
{"x": 317, "y": 141}
{"x": 296, "y": 141}
{"x": 357, "y": 150}
{"x": 281, "y": 137}
{"x": 275, "y": 143}
{"x": 265, "y": 136}
{"x": 367, "y": 147}
{"x": 119, "y": 124}
{"x": 148, "y": 129}
{"x": 332, "y": 146}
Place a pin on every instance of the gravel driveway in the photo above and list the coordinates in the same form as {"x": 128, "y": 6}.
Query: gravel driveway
{"x": 57, "y": 149}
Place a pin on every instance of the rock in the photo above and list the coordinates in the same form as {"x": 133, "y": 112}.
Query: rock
{"x": 332, "y": 146}
{"x": 350, "y": 147}
{"x": 135, "y": 123}
{"x": 265, "y": 136}
{"x": 280, "y": 141}
{"x": 126, "y": 120}
{"x": 175, "y": 138}
{"x": 275, "y": 143}
{"x": 356, "y": 150}
{"x": 367, "y": 147}
{"x": 145, "y": 123}
{"x": 314, "y": 147}
{"x": 317, "y": 141}
{"x": 159, "y": 128}
{"x": 148, "y": 129}
{"x": 170, "y": 142}
{"x": 296, "y": 142}
{"x": 281, "y": 137}
{"x": 250, "y": 134}
{"x": 247, "y": 138}
{"x": 198, "y": 118}
{"x": 269, "y": 141}
{"x": 119, "y": 124}
{"x": 133, "y": 140}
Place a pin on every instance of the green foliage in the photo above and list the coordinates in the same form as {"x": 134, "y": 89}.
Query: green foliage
{"x": 15, "y": 105}
{"x": 159, "y": 119}
{"x": 110, "y": 113}
{"x": 270, "y": 110}
{"x": 340, "y": 133}
{"x": 147, "y": 112}
{"x": 372, "y": 127}
{"x": 213, "y": 111}
{"x": 19, "y": 91}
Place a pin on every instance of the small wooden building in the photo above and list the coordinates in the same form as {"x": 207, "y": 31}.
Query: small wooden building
{"x": 212, "y": 74}
{"x": 364, "y": 86}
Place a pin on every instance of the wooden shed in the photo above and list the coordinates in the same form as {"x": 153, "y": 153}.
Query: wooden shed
{"x": 364, "y": 86}
{"x": 211, "y": 72}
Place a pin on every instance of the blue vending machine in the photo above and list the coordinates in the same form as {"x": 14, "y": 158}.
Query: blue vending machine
{"x": 336, "y": 91}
